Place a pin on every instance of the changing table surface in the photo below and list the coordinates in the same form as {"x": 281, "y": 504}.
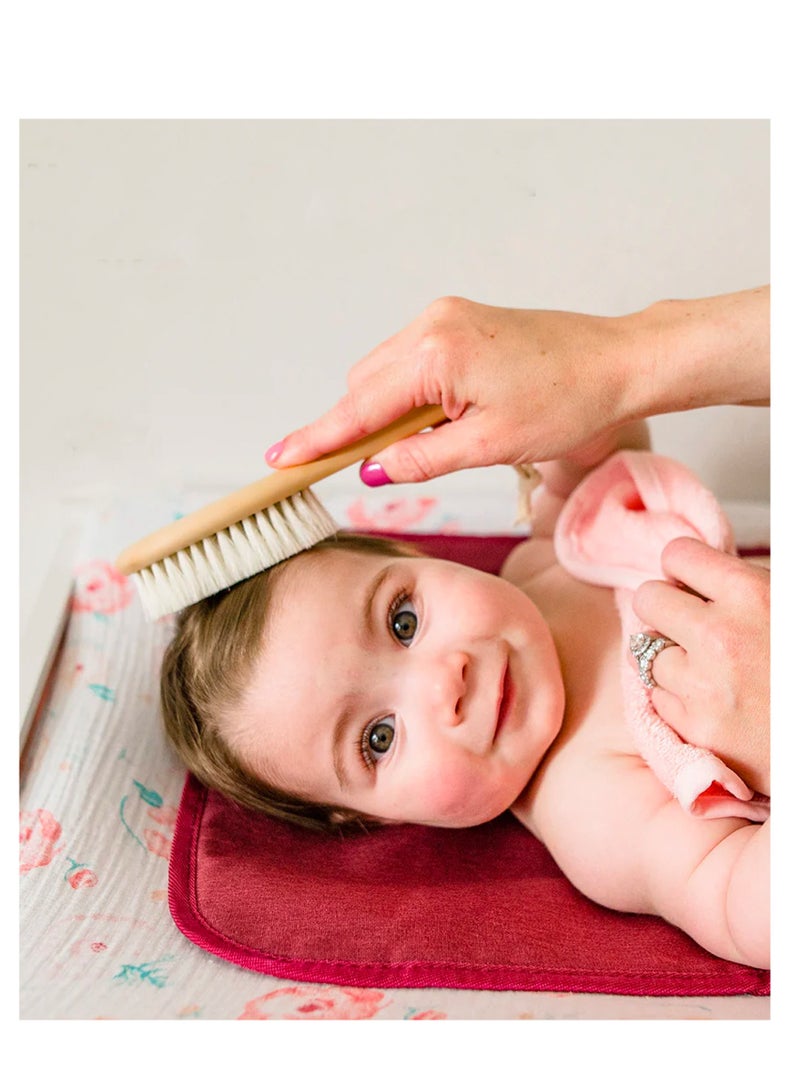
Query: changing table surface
{"x": 99, "y": 796}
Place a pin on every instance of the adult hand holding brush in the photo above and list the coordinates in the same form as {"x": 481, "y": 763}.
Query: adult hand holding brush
{"x": 521, "y": 386}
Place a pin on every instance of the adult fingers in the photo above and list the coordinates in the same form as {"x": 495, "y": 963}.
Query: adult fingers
{"x": 454, "y": 445}
{"x": 670, "y": 708}
{"x": 669, "y": 670}
{"x": 706, "y": 570}
{"x": 349, "y": 420}
{"x": 669, "y": 610}
{"x": 386, "y": 383}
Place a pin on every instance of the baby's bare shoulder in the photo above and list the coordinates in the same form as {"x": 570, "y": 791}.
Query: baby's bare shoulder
{"x": 587, "y": 806}
{"x": 615, "y": 831}
{"x": 528, "y": 560}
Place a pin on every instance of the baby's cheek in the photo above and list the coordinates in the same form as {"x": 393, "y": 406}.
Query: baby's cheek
{"x": 460, "y": 797}
{"x": 447, "y": 791}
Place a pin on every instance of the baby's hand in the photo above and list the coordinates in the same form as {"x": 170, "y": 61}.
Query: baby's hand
{"x": 562, "y": 475}
{"x": 713, "y": 689}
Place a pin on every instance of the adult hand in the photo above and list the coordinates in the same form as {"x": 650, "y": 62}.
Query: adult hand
{"x": 521, "y": 386}
{"x": 517, "y": 386}
{"x": 713, "y": 688}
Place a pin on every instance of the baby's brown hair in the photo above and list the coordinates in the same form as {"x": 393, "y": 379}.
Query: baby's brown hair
{"x": 206, "y": 667}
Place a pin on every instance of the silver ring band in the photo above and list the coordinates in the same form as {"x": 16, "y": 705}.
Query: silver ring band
{"x": 645, "y": 647}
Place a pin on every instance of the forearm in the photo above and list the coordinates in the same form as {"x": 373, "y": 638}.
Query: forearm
{"x": 697, "y": 352}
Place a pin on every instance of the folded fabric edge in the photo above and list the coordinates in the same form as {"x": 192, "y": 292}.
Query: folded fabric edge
{"x": 730, "y": 980}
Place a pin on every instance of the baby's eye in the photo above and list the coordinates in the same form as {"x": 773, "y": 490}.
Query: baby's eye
{"x": 403, "y": 620}
{"x": 377, "y": 740}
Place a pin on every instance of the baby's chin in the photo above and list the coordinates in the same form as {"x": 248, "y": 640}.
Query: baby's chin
{"x": 466, "y": 822}
{"x": 463, "y": 818}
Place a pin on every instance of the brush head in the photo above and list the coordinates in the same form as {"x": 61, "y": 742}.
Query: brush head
{"x": 252, "y": 529}
{"x": 218, "y": 562}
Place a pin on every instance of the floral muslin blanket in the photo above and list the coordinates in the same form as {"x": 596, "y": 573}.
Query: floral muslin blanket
{"x": 98, "y": 800}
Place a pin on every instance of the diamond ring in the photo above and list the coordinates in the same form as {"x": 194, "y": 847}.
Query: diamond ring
{"x": 645, "y": 647}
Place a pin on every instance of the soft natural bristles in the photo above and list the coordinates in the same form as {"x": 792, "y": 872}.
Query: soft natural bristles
{"x": 233, "y": 554}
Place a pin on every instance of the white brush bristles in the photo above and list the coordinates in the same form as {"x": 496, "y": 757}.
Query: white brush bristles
{"x": 233, "y": 554}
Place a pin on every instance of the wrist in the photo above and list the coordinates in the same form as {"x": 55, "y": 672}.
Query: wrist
{"x": 684, "y": 354}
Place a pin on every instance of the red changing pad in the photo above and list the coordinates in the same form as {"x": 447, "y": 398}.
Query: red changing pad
{"x": 409, "y": 906}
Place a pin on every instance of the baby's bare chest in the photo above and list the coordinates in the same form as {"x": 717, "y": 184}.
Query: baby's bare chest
{"x": 593, "y": 793}
{"x": 592, "y": 651}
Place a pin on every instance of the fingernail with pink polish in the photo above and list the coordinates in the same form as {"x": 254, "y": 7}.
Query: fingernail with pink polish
{"x": 373, "y": 474}
{"x": 274, "y": 452}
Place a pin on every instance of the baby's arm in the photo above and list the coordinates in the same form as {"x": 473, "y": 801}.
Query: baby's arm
{"x": 562, "y": 475}
{"x": 558, "y": 479}
{"x": 623, "y": 841}
{"x": 714, "y": 887}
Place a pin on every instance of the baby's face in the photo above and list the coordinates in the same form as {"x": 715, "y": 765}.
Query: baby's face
{"x": 410, "y": 689}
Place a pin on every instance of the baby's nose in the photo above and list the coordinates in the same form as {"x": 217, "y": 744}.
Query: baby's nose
{"x": 449, "y": 687}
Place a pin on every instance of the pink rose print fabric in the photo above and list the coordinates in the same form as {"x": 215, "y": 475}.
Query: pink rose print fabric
{"x": 139, "y": 808}
{"x": 38, "y": 836}
{"x": 80, "y": 876}
{"x": 315, "y": 1002}
{"x": 100, "y": 589}
{"x": 396, "y": 516}
{"x": 159, "y": 841}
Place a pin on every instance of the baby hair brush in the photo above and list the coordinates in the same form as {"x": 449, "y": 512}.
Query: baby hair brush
{"x": 250, "y": 530}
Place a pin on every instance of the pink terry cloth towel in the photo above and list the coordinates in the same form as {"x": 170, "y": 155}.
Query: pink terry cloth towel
{"x": 611, "y": 532}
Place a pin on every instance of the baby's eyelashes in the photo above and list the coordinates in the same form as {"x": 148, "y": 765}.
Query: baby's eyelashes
{"x": 377, "y": 738}
{"x": 376, "y": 741}
{"x": 403, "y": 620}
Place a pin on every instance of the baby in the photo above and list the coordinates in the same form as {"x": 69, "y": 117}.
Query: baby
{"x": 363, "y": 682}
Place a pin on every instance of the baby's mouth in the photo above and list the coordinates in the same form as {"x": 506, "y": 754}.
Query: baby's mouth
{"x": 505, "y": 699}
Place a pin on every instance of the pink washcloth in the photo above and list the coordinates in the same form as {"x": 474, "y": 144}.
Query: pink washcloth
{"x": 611, "y": 532}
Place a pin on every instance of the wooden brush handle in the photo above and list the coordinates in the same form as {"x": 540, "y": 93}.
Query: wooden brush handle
{"x": 268, "y": 491}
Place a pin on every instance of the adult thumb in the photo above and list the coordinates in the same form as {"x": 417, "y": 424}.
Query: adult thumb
{"x": 450, "y": 446}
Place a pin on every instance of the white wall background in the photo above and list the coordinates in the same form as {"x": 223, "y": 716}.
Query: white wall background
{"x": 193, "y": 289}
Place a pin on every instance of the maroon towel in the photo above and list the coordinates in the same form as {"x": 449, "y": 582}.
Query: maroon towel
{"x": 409, "y": 906}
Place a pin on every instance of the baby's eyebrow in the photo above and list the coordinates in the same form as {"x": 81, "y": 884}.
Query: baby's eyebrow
{"x": 371, "y": 593}
{"x": 339, "y": 732}
{"x": 345, "y": 717}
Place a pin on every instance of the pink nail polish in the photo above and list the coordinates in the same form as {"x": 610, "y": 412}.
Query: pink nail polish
{"x": 373, "y": 474}
{"x": 274, "y": 451}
